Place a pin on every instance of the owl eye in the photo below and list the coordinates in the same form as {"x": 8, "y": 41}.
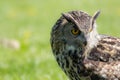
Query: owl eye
{"x": 75, "y": 31}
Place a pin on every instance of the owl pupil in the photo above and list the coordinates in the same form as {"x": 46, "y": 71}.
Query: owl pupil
{"x": 75, "y": 31}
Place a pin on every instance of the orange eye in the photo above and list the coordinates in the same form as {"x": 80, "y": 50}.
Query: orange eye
{"x": 75, "y": 31}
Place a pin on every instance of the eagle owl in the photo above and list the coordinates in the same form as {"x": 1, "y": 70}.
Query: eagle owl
{"x": 81, "y": 52}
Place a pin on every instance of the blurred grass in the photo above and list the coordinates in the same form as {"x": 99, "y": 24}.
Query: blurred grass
{"x": 30, "y": 22}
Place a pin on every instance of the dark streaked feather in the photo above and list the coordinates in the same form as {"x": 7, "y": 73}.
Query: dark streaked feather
{"x": 108, "y": 49}
{"x": 105, "y": 70}
{"x": 104, "y": 59}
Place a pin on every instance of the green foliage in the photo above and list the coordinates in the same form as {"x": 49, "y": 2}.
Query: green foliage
{"x": 30, "y": 22}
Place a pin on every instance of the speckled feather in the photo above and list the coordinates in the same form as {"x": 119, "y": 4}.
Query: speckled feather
{"x": 87, "y": 56}
{"x": 107, "y": 49}
{"x": 104, "y": 59}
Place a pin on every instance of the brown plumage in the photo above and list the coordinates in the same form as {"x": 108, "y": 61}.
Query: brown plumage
{"x": 104, "y": 59}
{"x": 81, "y": 52}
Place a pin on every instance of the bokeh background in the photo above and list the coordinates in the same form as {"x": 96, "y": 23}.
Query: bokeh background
{"x": 25, "y": 26}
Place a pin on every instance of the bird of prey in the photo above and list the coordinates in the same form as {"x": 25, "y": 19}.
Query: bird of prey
{"x": 83, "y": 53}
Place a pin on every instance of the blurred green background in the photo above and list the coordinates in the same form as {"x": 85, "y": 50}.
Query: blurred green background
{"x": 25, "y": 26}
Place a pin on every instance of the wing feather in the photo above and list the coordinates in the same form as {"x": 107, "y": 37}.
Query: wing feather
{"x": 108, "y": 49}
{"x": 106, "y": 70}
{"x": 104, "y": 59}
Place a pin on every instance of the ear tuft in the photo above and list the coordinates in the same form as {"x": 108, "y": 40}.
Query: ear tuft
{"x": 96, "y": 15}
{"x": 68, "y": 17}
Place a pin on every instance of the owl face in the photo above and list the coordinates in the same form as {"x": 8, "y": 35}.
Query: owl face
{"x": 74, "y": 29}
{"x": 73, "y": 35}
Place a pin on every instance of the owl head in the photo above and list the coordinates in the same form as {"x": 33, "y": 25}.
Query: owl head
{"x": 73, "y": 30}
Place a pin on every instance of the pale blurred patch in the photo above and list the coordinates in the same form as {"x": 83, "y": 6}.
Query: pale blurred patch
{"x": 10, "y": 43}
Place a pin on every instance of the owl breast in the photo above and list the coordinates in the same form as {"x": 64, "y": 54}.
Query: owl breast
{"x": 70, "y": 60}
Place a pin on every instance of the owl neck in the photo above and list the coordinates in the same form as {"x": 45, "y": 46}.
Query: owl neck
{"x": 92, "y": 40}
{"x": 93, "y": 37}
